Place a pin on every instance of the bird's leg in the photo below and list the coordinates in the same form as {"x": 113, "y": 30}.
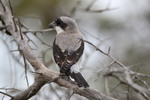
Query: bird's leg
{"x": 63, "y": 76}
{"x": 70, "y": 80}
{"x": 67, "y": 78}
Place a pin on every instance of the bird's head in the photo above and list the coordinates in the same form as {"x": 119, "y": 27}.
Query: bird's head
{"x": 63, "y": 23}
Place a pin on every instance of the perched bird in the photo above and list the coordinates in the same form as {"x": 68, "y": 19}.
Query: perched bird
{"x": 68, "y": 48}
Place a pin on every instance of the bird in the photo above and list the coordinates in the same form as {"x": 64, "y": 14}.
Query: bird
{"x": 68, "y": 47}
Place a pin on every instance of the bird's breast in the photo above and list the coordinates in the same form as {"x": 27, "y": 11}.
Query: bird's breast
{"x": 68, "y": 41}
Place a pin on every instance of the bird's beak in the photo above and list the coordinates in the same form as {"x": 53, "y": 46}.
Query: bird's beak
{"x": 52, "y": 24}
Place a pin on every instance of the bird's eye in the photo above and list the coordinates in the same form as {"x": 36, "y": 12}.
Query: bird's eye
{"x": 60, "y": 23}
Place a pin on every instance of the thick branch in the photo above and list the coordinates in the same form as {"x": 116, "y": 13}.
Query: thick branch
{"x": 31, "y": 91}
{"x": 44, "y": 77}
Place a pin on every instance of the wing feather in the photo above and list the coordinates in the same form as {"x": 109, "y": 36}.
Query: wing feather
{"x": 67, "y": 58}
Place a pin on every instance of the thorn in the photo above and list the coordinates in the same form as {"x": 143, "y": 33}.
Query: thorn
{"x": 14, "y": 50}
{"x": 108, "y": 50}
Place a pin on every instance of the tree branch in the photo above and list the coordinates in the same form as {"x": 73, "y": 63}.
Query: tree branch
{"x": 125, "y": 71}
{"x": 6, "y": 94}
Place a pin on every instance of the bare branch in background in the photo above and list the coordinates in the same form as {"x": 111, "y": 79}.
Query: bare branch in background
{"x": 74, "y": 9}
{"x": 70, "y": 96}
{"x": 2, "y": 5}
{"x": 42, "y": 41}
{"x": 26, "y": 68}
{"x": 3, "y": 27}
{"x": 108, "y": 71}
{"x": 88, "y": 8}
{"x": 6, "y": 94}
{"x": 90, "y": 5}
{"x": 101, "y": 10}
{"x": 37, "y": 31}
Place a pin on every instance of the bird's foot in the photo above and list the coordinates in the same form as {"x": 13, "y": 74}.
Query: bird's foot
{"x": 63, "y": 76}
{"x": 70, "y": 80}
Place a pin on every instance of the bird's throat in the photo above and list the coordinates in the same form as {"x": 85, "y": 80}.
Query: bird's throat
{"x": 59, "y": 29}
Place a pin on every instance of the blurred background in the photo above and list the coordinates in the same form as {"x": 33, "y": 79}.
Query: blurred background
{"x": 125, "y": 28}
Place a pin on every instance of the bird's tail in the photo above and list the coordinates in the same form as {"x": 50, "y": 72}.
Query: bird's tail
{"x": 79, "y": 79}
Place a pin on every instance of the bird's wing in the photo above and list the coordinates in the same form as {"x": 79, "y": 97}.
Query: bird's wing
{"x": 67, "y": 58}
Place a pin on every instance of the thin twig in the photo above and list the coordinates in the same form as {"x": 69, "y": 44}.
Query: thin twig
{"x": 74, "y": 9}
{"x": 31, "y": 40}
{"x": 2, "y": 5}
{"x": 4, "y": 88}
{"x": 115, "y": 87}
{"x": 38, "y": 31}
{"x": 70, "y": 96}
{"x": 25, "y": 68}
{"x": 22, "y": 25}
{"x": 90, "y": 5}
{"x": 11, "y": 9}
{"x": 7, "y": 94}
{"x": 3, "y": 27}
{"x": 43, "y": 41}
{"x": 19, "y": 27}
{"x": 99, "y": 11}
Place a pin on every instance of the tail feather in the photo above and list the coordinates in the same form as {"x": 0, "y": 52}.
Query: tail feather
{"x": 79, "y": 79}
